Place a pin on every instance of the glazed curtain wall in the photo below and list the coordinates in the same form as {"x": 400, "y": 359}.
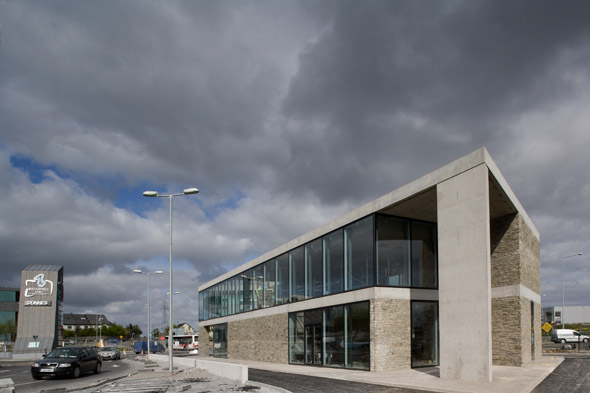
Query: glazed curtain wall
{"x": 378, "y": 250}
{"x": 337, "y": 336}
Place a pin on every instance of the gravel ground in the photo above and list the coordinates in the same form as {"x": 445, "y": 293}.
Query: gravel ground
{"x": 192, "y": 380}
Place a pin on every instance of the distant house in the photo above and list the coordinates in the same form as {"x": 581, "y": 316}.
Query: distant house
{"x": 186, "y": 327}
{"x": 84, "y": 321}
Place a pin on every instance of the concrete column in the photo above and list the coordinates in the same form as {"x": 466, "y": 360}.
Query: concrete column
{"x": 464, "y": 276}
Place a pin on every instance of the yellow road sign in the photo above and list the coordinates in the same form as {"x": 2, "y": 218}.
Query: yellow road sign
{"x": 547, "y": 327}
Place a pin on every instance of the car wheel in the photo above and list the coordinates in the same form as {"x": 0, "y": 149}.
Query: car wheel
{"x": 585, "y": 340}
{"x": 76, "y": 372}
{"x": 36, "y": 376}
{"x": 563, "y": 341}
{"x": 97, "y": 368}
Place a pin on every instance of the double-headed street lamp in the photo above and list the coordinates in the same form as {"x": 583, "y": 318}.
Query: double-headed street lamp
{"x": 154, "y": 194}
{"x": 148, "y": 306}
{"x": 563, "y": 287}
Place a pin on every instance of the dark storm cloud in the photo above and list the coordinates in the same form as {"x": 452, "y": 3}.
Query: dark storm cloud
{"x": 404, "y": 80}
{"x": 285, "y": 114}
{"x": 179, "y": 85}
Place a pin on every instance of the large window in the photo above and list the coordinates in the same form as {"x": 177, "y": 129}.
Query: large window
{"x": 269, "y": 283}
{"x": 424, "y": 259}
{"x": 258, "y": 286}
{"x": 393, "y": 251}
{"x": 220, "y": 340}
{"x": 297, "y": 262}
{"x": 334, "y": 340}
{"x": 334, "y": 262}
{"x": 296, "y": 338}
{"x": 359, "y": 254}
{"x": 424, "y": 334}
{"x": 376, "y": 250}
{"x": 315, "y": 271}
{"x": 282, "y": 279}
{"x": 336, "y": 336}
{"x": 247, "y": 285}
{"x": 358, "y": 340}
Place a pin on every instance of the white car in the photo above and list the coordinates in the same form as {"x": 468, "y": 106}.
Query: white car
{"x": 568, "y": 335}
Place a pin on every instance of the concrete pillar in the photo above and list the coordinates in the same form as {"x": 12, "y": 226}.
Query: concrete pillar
{"x": 464, "y": 276}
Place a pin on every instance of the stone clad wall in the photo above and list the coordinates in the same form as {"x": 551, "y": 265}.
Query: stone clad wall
{"x": 205, "y": 346}
{"x": 390, "y": 334}
{"x": 507, "y": 331}
{"x": 530, "y": 257}
{"x": 515, "y": 261}
{"x": 264, "y": 339}
{"x": 504, "y": 246}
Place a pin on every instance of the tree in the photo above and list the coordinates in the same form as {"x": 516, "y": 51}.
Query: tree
{"x": 114, "y": 331}
{"x": 8, "y": 329}
{"x": 156, "y": 333}
{"x": 133, "y": 331}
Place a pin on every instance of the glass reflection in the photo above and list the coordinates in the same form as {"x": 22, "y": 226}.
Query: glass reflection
{"x": 359, "y": 254}
{"x": 424, "y": 334}
{"x": 393, "y": 251}
{"x": 334, "y": 262}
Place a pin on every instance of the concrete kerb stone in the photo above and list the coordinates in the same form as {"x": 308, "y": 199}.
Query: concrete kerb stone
{"x": 6, "y": 385}
{"x": 236, "y": 372}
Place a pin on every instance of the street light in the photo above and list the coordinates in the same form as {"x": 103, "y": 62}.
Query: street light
{"x": 155, "y": 194}
{"x": 149, "y": 308}
{"x": 563, "y": 287}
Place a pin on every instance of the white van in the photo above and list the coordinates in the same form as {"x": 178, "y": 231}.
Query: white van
{"x": 568, "y": 335}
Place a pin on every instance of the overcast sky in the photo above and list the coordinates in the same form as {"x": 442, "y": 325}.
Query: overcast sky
{"x": 285, "y": 114}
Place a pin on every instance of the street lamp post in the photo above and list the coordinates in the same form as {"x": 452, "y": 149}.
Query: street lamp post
{"x": 149, "y": 308}
{"x": 100, "y": 327}
{"x": 155, "y": 194}
{"x": 563, "y": 286}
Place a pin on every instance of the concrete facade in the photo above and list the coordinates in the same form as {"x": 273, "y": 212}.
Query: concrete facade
{"x": 40, "y": 310}
{"x": 488, "y": 277}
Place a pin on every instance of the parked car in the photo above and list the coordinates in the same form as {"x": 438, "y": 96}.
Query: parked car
{"x": 67, "y": 361}
{"x": 155, "y": 346}
{"x": 109, "y": 353}
{"x": 568, "y": 335}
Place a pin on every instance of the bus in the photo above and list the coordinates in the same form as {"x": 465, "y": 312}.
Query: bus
{"x": 186, "y": 342}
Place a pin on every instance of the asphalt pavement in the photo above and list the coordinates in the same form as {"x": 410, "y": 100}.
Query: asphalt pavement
{"x": 308, "y": 384}
{"x": 572, "y": 376}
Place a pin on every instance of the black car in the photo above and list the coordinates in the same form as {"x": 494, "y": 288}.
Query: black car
{"x": 67, "y": 361}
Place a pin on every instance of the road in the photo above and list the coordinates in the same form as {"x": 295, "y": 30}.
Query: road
{"x": 24, "y": 382}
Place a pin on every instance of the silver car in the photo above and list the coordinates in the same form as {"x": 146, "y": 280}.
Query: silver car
{"x": 109, "y": 353}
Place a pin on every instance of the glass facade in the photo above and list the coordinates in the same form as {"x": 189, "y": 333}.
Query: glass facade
{"x": 336, "y": 336}
{"x": 424, "y": 334}
{"x": 315, "y": 270}
{"x": 359, "y": 247}
{"x": 377, "y": 250}
{"x": 393, "y": 251}
{"x": 219, "y": 340}
{"x": 334, "y": 262}
{"x": 297, "y": 263}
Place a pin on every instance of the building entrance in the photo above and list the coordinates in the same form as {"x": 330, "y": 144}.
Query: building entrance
{"x": 313, "y": 344}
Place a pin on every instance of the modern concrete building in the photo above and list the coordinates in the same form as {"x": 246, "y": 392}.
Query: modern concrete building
{"x": 40, "y": 311}
{"x": 443, "y": 271}
{"x": 9, "y": 298}
{"x": 572, "y": 314}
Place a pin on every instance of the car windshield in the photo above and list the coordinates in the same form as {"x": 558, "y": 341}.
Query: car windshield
{"x": 107, "y": 349}
{"x": 71, "y": 353}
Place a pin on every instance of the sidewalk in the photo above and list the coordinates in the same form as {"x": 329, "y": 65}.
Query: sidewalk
{"x": 505, "y": 379}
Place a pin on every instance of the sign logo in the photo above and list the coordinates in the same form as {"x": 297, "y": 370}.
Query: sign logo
{"x": 38, "y": 303}
{"x": 38, "y": 286}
